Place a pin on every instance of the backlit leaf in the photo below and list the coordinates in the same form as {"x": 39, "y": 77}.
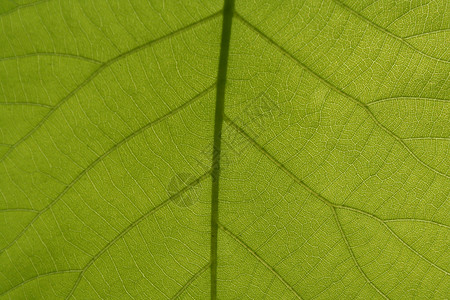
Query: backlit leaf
{"x": 196, "y": 149}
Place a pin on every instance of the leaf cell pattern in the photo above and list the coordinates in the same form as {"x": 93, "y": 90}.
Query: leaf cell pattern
{"x": 314, "y": 133}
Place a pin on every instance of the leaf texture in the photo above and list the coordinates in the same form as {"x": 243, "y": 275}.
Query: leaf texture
{"x": 198, "y": 149}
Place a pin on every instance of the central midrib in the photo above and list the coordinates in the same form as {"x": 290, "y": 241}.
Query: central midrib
{"x": 228, "y": 10}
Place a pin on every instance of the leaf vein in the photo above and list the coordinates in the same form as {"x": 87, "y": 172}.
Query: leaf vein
{"x": 133, "y": 225}
{"x": 37, "y": 277}
{"x": 53, "y": 54}
{"x": 349, "y": 248}
{"x": 98, "y": 71}
{"x": 191, "y": 280}
{"x": 319, "y": 196}
{"x": 399, "y": 38}
{"x": 260, "y": 259}
{"x": 105, "y": 154}
{"x": 340, "y": 91}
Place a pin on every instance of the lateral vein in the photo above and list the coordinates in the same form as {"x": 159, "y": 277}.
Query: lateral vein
{"x": 261, "y": 260}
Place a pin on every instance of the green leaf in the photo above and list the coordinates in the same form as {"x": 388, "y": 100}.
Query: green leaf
{"x": 196, "y": 149}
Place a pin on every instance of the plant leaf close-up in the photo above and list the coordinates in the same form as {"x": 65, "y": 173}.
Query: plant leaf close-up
{"x": 205, "y": 149}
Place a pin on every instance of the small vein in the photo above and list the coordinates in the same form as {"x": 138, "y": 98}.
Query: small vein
{"x": 67, "y": 55}
{"x": 408, "y": 97}
{"x": 18, "y": 209}
{"x": 416, "y": 220}
{"x": 338, "y": 90}
{"x": 403, "y": 40}
{"x": 426, "y": 33}
{"x": 37, "y": 277}
{"x": 105, "y": 154}
{"x": 394, "y": 234}
{"x": 349, "y": 248}
{"x": 133, "y": 225}
{"x": 27, "y": 104}
{"x": 191, "y": 280}
{"x": 260, "y": 259}
{"x": 427, "y": 138}
{"x": 22, "y": 6}
{"x": 99, "y": 70}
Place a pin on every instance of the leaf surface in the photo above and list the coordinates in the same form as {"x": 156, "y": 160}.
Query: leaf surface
{"x": 208, "y": 150}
